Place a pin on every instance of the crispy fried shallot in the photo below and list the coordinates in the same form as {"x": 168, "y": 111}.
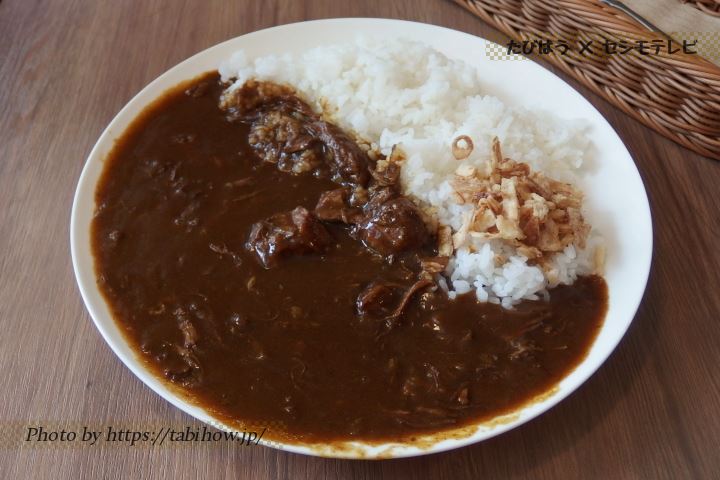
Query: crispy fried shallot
{"x": 536, "y": 214}
{"x": 462, "y": 147}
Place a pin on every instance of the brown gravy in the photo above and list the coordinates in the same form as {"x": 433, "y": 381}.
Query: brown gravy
{"x": 285, "y": 346}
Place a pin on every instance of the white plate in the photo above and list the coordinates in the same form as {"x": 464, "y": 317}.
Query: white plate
{"x": 615, "y": 193}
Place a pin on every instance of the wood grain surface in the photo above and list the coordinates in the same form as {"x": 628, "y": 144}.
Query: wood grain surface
{"x": 67, "y": 67}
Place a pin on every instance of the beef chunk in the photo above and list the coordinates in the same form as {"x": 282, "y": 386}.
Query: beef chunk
{"x": 334, "y": 206}
{"x": 285, "y": 130}
{"x": 296, "y": 232}
{"x": 346, "y": 159}
{"x": 254, "y": 98}
{"x": 280, "y": 138}
{"x": 392, "y": 224}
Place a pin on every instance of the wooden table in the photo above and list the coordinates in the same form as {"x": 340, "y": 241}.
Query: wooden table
{"x": 67, "y": 67}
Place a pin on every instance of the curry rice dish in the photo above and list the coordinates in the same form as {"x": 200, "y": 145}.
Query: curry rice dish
{"x": 272, "y": 267}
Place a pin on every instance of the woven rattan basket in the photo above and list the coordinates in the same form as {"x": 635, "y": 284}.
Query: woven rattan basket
{"x": 676, "y": 94}
{"x": 708, "y": 6}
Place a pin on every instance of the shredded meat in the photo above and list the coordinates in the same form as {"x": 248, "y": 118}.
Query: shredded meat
{"x": 186, "y": 327}
{"x": 387, "y": 300}
{"x": 412, "y": 290}
{"x": 296, "y": 232}
{"x": 378, "y": 299}
{"x": 183, "y": 366}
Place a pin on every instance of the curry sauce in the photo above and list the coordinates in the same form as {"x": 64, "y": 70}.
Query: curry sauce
{"x": 327, "y": 338}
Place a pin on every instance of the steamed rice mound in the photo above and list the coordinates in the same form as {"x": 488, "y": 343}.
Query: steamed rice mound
{"x": 404, "y": 93}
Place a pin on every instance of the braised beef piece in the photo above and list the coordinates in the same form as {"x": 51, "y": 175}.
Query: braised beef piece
{"x": 255, "y": 98}
{"x": 335, "y": 206}
{"x": 347, "y": 160}
{"x": 296, "y": 232}
{"x": 280, "y": 138}
{"x": 285, "y": 130}
{"x": 392, "y": 224}
{"x": 388, "y": 223}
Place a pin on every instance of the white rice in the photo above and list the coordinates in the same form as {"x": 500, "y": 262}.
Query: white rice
{"x": 406, "y": 93}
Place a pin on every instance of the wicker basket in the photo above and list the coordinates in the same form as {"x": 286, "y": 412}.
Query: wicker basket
{"x": 708, "y": 6}
{"x": 677, "y": 95}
